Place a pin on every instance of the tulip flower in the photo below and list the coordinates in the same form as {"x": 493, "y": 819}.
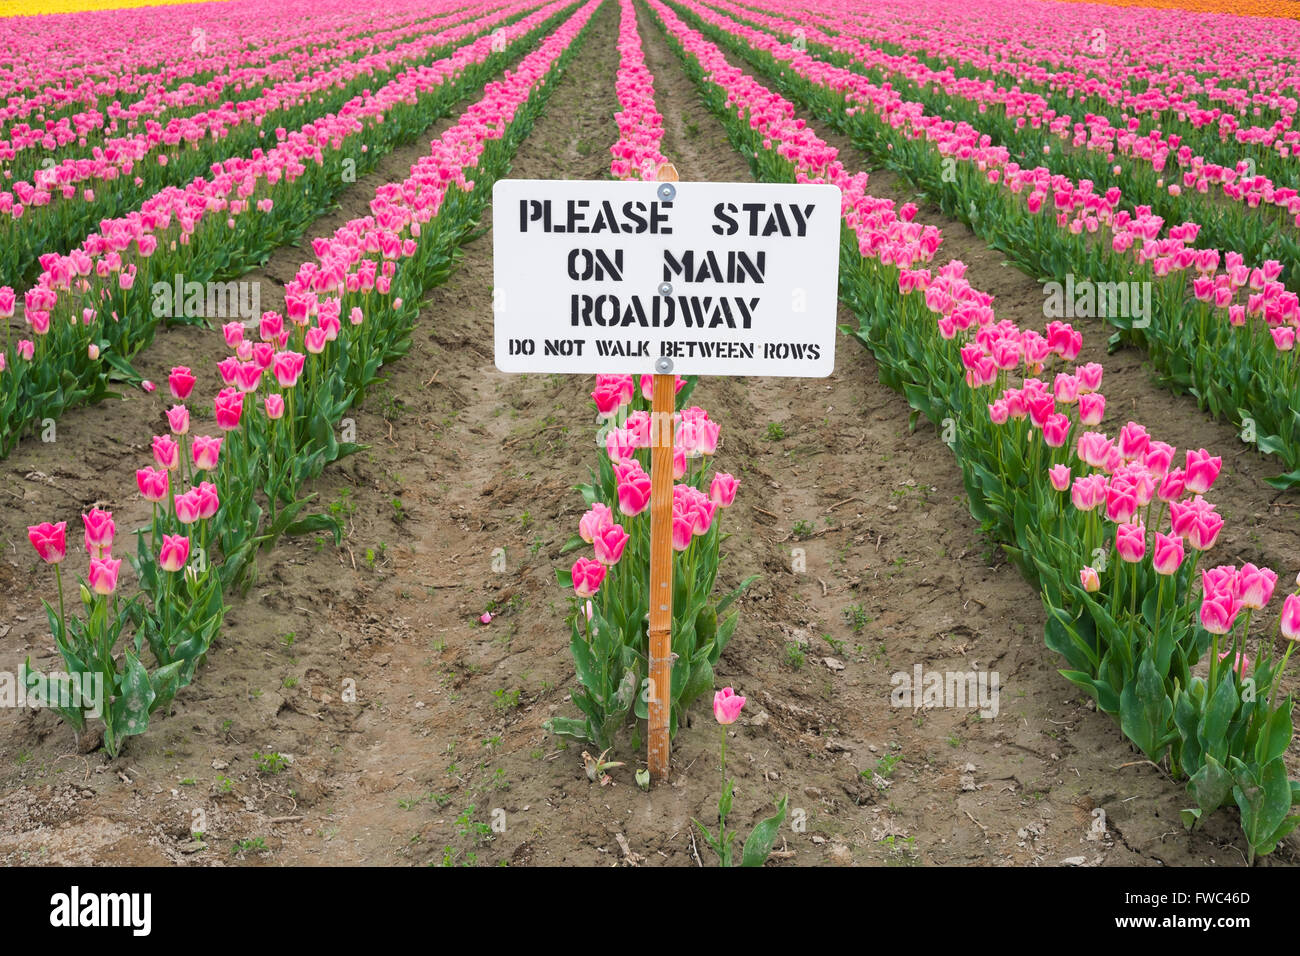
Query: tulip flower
{"x": 99, "y": 532}
{"x": 1167, "y": 556}
{"x": 1255, "y": 586}
{"x": 1090, "y": 580}
{"x": 49, "y": 540}
{"x": 609, "y": 543}
{"x": 1059, "y": 476}
{"x": 175, "y": 552}
{"x": 228, "y": 406}
{"x": 187, "y": 506}
{"x": 1219, "y": 613}
{"x": 1201, "y": 471}
{"x": 209, "y": 501}
{"x": 1290, "y": 621}
{"x": 166, "y": 452}
{"x": 727, "y": 705}
{"x": 274, "y": 407}
{"x": 587, "y": 577}
{"x": 205, "y": 451}
{"x": 1131, "y": 542}
{"x": 181, "y": 381}
{"x": 722, "y": 491}
{"x": 152, "y": 484}
{"x": 634, "y": 494}
{"x": 102, "y": 576}
{"x": 594, "y": 521}
{"x": 178, "y": 419}
{"x": 1240, "y": 663}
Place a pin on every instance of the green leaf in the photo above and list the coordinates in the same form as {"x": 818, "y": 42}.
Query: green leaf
{"x": 759, "y": 844}
{"x": 1145, "y": 710}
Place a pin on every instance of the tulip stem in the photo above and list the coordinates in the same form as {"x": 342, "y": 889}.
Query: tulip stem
{"x": 58, "y": 577}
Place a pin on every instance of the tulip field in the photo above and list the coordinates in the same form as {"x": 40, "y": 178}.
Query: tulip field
{"x": 294, "y": 574}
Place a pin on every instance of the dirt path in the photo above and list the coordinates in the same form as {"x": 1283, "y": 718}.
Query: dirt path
{"x": 414, "y": 731}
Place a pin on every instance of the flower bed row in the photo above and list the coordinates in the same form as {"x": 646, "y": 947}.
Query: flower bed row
{"x": 67, "y": 200}
{"x": 91, "y": 310}
{"x": 348, "y": 312}
{"x": 1077, "y": 510}
{"x": 1227, "y": 336}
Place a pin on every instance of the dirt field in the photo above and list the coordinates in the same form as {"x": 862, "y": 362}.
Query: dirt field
{"x": 445, "y": 729}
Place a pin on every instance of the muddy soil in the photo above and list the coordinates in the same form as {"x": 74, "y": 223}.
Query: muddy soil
{"x": 412, "y": 733}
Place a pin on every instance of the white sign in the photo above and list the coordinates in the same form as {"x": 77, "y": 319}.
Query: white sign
{"x": 689, "y": 278}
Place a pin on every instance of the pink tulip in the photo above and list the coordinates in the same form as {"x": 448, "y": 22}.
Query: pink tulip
{"x": 205, "y": 451}
{"x": 609, "y": 544}
{"x": 175, "y": 552}
{"x": 722, "y": 491}
{"x": 587, "y": 577}
{"x": 99, "y": 532}
{"x": 1240, "y": 662}
{"x": 208, "y": 500}
{"x": 274, "y": 407}
{"x": 1255, "y": 586}
{"x": 1201, "y": 471}
{"x": 234, "y": 334}
{"x": 1056, "y": 430}
{"x": 178, "y": 419}
{"x": 634, "y": 494}
{"x": 1204, "y": 530}
{"x": 594, "y": 521}
{"x": 1090, "y": 580}
{"x": 152, "y": 484}
{"x": 1131, "y": 542}
{"x": 1092, "y": 408}
{"x": 1167, "y": 555}
{"x": 287, "y": 367}
{"x": 683, "y": 531}
{"x": 727, "y": 705}
{"x": 1089, "y": 377}
{"x": 187, "y": 507}
{"x": 1060, "y": 477}
{"x": 49, "y": 540}
{"x": 1172, "y": 486}
{"x": 166, "y": 452}
{"x": 102, "y": 576}
{"x": 228, "y": 407}
{"x": 1290, "y": 622}
{"x": 147, "y": 387}
{"x": 1219, "y": 613}
{"x": 181, "y": 382}
{"x": 1133, "y": 441}
{"x": 315, "y": 340}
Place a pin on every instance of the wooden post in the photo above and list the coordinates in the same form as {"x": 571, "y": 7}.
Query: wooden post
{"x": 661, "y": 557}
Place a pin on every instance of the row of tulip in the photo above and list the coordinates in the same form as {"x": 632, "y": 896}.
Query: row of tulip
{"x": 306, "y": 370}
{"x": 67, "y": 200}
{"x": 1246, "y": 102}
{"x": 1247, "y": 211}
{"x": 91, "y": 310}
{"x": 609, "y": 619}
{"x": 640, "y": 125}
{"x": 1079, "y": 512}
{"x": 25, "y": 148}
{"x": 59, "y": 67}
{"x": 1231, "y": 341}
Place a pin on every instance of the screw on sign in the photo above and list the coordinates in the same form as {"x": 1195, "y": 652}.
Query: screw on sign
{"x": 671, "y": 279}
